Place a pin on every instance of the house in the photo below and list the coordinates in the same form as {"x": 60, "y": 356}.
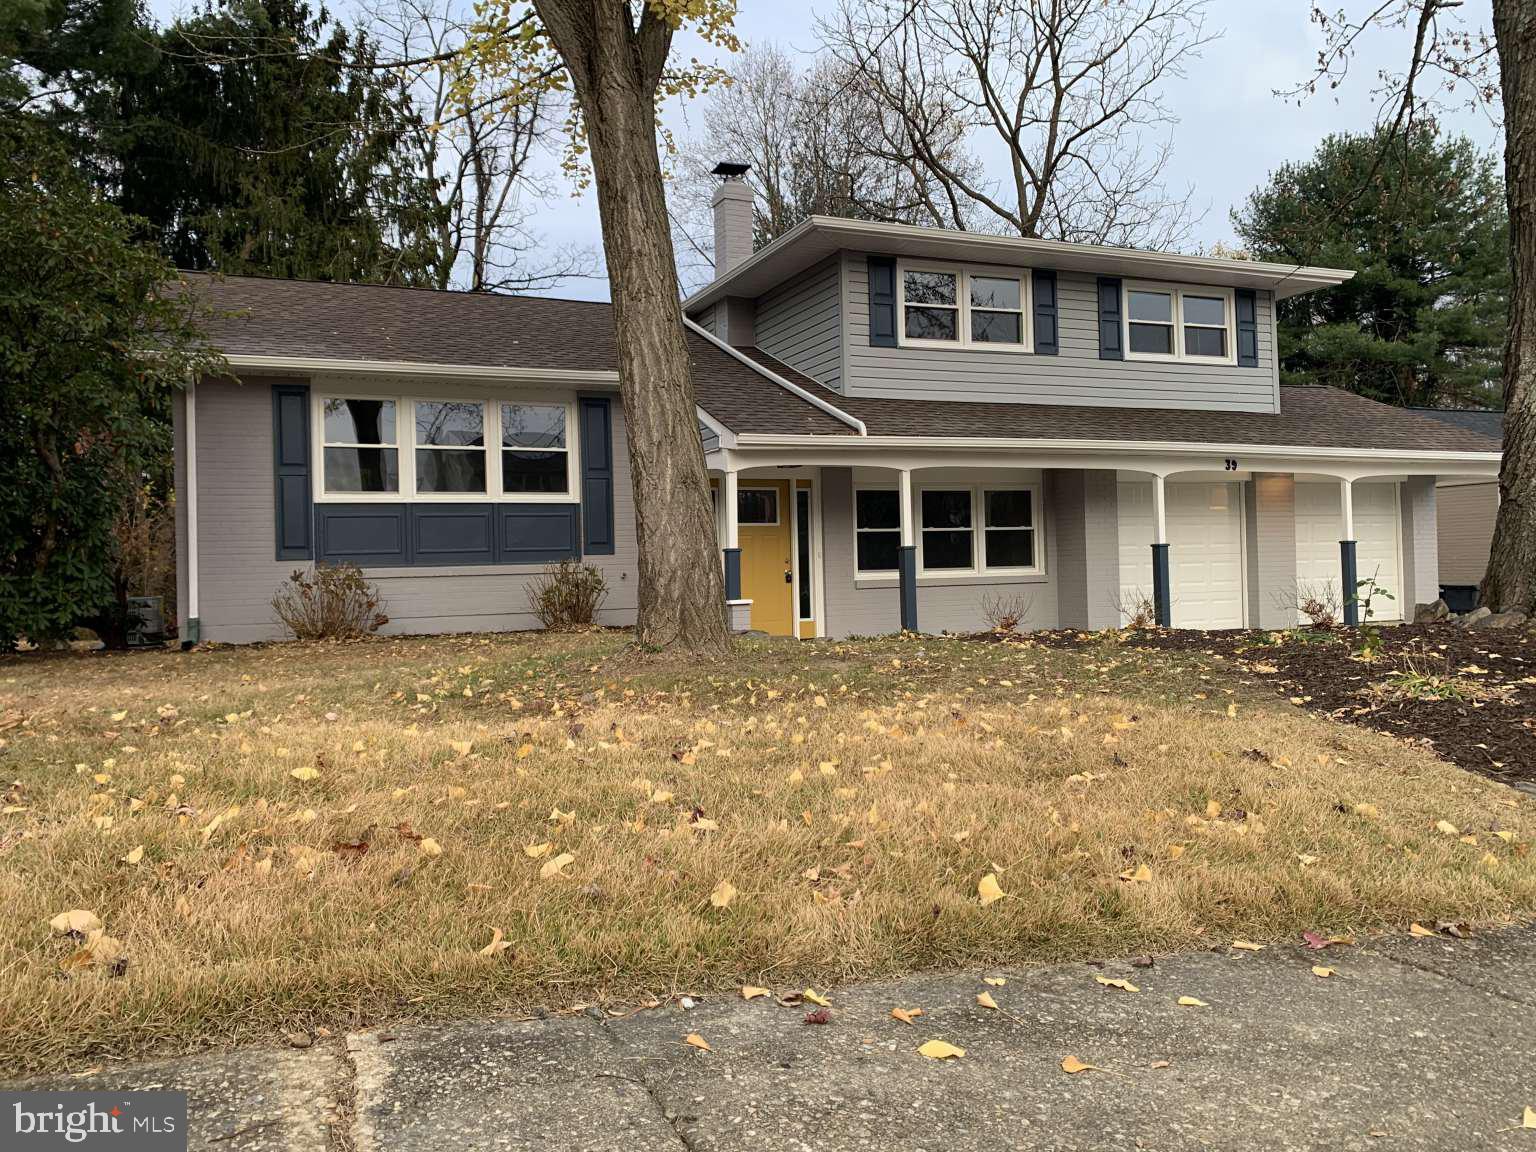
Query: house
{"x": 1466, "y": 509}
{"x": 902, "y": 425}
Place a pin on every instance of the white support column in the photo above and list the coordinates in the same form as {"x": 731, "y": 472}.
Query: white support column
{"x": 1347, "y": 501}
{"x": 1159, "y": 511}
{"x": 739, "y": 610}
{"x": 1162, "y": 591}
{"x": 728, "y": 505}
{"x": 1347, "y": 557}
{"x": 907, "y": 557}
{"x": 908, "y": 536}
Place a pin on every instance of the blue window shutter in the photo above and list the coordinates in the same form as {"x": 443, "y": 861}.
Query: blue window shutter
{"x": 1110, "y": 343}
{"x": 290, "y": 462}
{"x": 1247, "y": 328}
{"x": 597, "y": 475}
{"x": 882, "y": 301}
{"x": 1046, "y": 341}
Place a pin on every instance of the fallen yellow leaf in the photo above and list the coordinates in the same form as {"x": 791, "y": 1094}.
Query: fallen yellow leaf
{"x": 1529, "y": 1119}
{"x": 906, "y": 1015}
{"x": 305, "y": 773}
{"x": 940, "y": 1050}
{"x": 1369, "y": 811}
{"x": 76, "y": 920}
{"x": 1248, "y": 946}
{"x": 1191, "y": 1002}
{"x": 1175, "y": 851}
{"x": 534, "y": 851}
{"x": 557, "y": 866}
{"x": 995, "y": 981}
{"x": 698, "y": 1042}
{"x": 1417, "y": 929}
{"x": 462, "y": 747}
{"x": 1446, "y": 828}
{"x": 815, "y": 998}
{"x": 134, "y": 855}
{"x": 1141, "y": 875}
{"x": 1123, "y": 985}
{"x": 989, "y": 890}
{"x": 723, "y": 894}
{"x": 497, "y": 944}
{"x": 1071, "y": 1065}
{"x": 1321, "y": 972}
{"x": 430, "y": 847}
{"x": 752, "y": 992}
{"x": 986, "y": 1001}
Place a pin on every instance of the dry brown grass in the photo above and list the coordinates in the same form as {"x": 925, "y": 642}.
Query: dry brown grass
{"x": 860, "y": 792}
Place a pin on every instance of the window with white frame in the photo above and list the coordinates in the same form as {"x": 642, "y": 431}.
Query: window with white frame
{"x": 876, "y": 529}
{"x": 1172, "y": 323}
{"x": 948, "y": 530}
{"x": 359, "y": 447}
{"x": 757, "y": 507}
{"x": 535, "y": 450}
{"x": 450, "y": 446}
{"x": 965, "y": 307}
{"x": 1009, "y": 528}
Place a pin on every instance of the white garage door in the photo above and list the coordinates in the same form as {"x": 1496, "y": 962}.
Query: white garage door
{"x": 1320, "y": 527}
{"x": 1205, "y": 538}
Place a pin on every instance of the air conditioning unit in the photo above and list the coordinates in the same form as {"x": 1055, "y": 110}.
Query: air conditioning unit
{"x": 145, "y": 625}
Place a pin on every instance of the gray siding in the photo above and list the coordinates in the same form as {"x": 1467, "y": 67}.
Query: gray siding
{"x": 179, "y": 482}
{"x": 873, "y": 610}
{"x": 799, "y": 322}
{"x": 1269, "y": 506}
{"x": 1419, "y": 515}
{"x": 1464, "y": 515}
{"x": 707, "y": 319}
{"x": 237, "y": 530}
{"x": 1085, "y": 508}
{"x": 1075, "y": 376}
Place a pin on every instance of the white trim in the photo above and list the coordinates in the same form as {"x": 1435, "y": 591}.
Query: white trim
{"x": 581, "y": 377}
{"x": 497, "y": 484}
{"x": 972, "y": 569}
{"x": 809, "y": 397}
{"x": 818, "y": 236}
{"x": 853, "y": 518}
{"x": 190, "y": 408}
{"x": 1176, "y": 294}
{"x": 724, "y": 435}
{"x": 962, "y": 305}
{"x": 1035, "y": 528}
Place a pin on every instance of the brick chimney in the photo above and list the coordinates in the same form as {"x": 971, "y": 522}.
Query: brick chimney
{"x": 732, "y": 205}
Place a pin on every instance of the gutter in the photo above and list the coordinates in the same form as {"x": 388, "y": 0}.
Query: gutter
{"x": 423, "y": 368}
{"x": 809, "y": 397}
{"x": 1180, "y": 447}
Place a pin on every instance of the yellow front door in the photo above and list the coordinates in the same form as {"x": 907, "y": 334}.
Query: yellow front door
{"x": 763, "y": 514}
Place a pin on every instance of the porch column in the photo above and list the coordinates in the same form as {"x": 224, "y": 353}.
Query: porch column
{"x": 907, "y": 559}
{"x": 1347, "y": 563}
{"x": 1162, "y": 599}
{"x": 732, "y": 544}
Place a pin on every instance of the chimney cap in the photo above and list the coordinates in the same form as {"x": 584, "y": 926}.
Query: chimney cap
{"x": 730, "y": 170}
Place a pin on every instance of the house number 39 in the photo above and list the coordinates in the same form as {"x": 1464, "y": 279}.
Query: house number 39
{"x": 1231, "y": 464}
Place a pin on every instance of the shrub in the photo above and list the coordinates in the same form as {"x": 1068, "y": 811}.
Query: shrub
{"x": 1137, "y": 608}
{"x": 567, "y": 595}
{"x": 1319, "y": 603}
{"x": 330, "y": 602}
{"x": 1004, "y": 612}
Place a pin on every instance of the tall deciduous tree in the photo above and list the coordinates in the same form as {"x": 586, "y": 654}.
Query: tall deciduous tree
{"x": 1450, "y": 59}
{"x": 1422, "y": 321}
{"x": 614, "y": 54}
{"x": 1067, "y": 92}
{"x": 93, "y": 344}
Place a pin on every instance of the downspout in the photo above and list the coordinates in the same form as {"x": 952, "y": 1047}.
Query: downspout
{"x": 194, "y": 625}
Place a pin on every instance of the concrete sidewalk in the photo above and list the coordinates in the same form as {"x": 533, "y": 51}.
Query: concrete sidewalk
{"x": 1413, "y": 1044}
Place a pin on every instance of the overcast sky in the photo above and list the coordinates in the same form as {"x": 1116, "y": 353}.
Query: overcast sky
{"x": 1232, "y": 129}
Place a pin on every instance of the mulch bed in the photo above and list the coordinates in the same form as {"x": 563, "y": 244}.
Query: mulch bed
{"x": 1486, "y": 722}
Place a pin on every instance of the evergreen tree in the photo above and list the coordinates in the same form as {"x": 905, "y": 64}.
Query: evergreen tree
{"x": 1423, "y": 223}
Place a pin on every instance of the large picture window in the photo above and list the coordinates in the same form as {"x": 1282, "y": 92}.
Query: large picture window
{"x": 535, "y": 452}
{"x": 360, "y": 449}
{"x": 373, "y": 449}
{"x": 1164, "y": 322}
{"x": 963, "y": 307}
{"x": 877, "y": 529}
{"x": 450, "y": 446}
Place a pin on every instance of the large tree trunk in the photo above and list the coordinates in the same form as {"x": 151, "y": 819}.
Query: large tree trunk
{"x": 615, "y": 68}
{"x": 1511, "y": 579}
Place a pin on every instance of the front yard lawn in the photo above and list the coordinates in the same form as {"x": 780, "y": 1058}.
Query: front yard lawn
{"x": 293, "y": 837}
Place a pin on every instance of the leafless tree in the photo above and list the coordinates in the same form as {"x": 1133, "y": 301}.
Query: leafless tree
{"x": 492, "y": 158}
{"x": 1451, "y": 61}
{"x": 1069, "y": 91}
{"x": 818, "y": 143}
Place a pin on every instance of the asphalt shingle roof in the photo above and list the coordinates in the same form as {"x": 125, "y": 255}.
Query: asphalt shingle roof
{"x": 1481, "y": 421}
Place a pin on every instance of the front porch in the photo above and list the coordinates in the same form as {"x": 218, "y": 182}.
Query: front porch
{"x": 845, "y": 547}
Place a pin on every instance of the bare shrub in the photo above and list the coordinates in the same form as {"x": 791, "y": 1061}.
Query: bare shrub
{"x": 1005, "y": 611}
{"x": 1319, "y": 603}
{"x": 1137, "y": 609}
{"x": 329, "y": 602}
{"x": 567, "y": 595}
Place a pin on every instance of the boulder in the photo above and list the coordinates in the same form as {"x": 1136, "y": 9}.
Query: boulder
{"x": 1474, "y": 616}
{"x": 1431, "y": 613}
{"x": 1500, "y": 620}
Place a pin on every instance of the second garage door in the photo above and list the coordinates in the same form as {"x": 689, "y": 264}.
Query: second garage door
{"x": 1205, "y": 538}
{"x": 1320, "y": 527}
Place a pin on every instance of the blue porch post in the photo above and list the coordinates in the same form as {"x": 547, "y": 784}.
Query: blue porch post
{"x": 1348, "y": 566}
{"x": 732, "y": 573}
{"x": 907, "y": 558}
{"x": 1162, "y": 596}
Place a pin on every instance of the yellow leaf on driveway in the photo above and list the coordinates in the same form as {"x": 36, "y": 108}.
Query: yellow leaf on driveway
{"x": 698, "y": 1042}
{"x": 1529, "y": 1119}
{"x": 940, "y": 1050}
{"x": 1123, "y": 985}
{"x": 906, "y": 1015}
{"x": 995, "y": 981}
{"x": 816, "y": 998}
{"x": 1191, "y": 1002}
{"x": 1417, "y": 929}
{"x": 986, "y": 1001}
{"x": 1248, "y": 946}
{"x": 1071, "y": 1065}
{"x": 1321, "y": 972}
{"x": 752, "y": 992}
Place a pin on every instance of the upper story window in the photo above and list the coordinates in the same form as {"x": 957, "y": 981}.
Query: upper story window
{"x": 1165, "y": 322}
{"x": 360, "y": 453}
{"x": 962, "y": 307}
{"x": 376, "y": 448}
